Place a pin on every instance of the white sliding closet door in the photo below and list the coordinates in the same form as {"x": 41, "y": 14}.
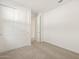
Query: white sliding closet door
{"x": 14, "y": 28}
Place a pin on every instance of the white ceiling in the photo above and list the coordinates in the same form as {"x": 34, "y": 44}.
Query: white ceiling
{"x": 39, "y": 5}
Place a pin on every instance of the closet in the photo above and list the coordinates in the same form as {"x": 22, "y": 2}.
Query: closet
{"x": 15, "y": 27}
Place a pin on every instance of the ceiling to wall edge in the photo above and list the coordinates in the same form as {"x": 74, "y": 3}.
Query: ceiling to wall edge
{"x": 15, "y": 4}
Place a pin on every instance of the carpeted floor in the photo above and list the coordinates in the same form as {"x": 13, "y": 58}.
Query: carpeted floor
{"x": 39, "y": 51}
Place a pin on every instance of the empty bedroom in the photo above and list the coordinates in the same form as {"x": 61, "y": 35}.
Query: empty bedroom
{"x": 39, "y": 29}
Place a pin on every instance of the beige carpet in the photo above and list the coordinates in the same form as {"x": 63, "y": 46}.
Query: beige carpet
{"x": 39, "y": 51}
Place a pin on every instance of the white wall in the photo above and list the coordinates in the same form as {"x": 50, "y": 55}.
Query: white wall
{"x": 61, "y": 26}
{"x": 15, "y": 28}
{"x": 33, "y": 27}
{"x": 38, "y": 27}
